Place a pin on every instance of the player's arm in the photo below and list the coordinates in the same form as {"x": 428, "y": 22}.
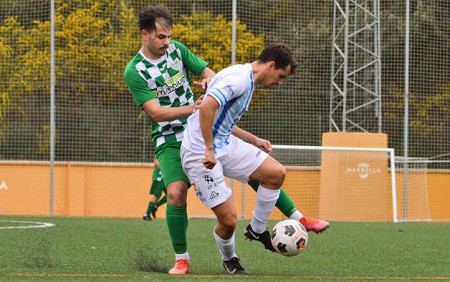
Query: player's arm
{"x": 207, "y": 73}
{"x": 205, "y": 77}
{"x": 158, "y": 113}
{"x": 207, "y": 111}
{"x": 248, "y": 137}
{"x": 146, "y": 99}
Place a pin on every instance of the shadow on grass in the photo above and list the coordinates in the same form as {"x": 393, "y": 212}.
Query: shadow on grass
{"x": 148, "y": 261}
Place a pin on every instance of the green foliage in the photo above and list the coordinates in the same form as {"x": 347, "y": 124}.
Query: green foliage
{"x": 429, "y": 116}
{"x": 87, "y": 42}
{"x": 428, "y": 57}
{"x": 209, "y": 38}
{"x": 8, "y": 31}
{"x": 4, "y": 105}
{"x": 95, "y": 39}
{"x": 93, "y": 43}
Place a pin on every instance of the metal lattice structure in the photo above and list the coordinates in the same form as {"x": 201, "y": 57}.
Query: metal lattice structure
{"x": 356, "y": 67}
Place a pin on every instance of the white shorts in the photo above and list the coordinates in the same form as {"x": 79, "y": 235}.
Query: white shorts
{"x": 238, "y": 160}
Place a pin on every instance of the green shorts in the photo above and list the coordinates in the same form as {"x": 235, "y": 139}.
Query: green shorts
{"x": 158, "y": 185}
{"x": 170, "y": 163}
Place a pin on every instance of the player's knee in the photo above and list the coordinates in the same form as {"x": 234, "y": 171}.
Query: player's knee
{"x": 278, "y": 176}
{"x": 177, "y": 193}
{"x": 176, "y": 198}
{"x": 229, "y": 221}
{"x": 230, "y": 224}
{"x": 282, "y": 171}
{"x": 226, "y": 228}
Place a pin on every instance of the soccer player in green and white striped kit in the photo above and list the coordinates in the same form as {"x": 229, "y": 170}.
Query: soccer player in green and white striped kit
{"x": 158, "y": 79}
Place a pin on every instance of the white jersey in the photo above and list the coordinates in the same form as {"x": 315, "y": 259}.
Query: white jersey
{"x": 232, "y": 88}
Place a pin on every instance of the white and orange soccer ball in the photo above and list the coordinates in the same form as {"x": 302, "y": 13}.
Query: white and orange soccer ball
{"x": 289, "y": 237}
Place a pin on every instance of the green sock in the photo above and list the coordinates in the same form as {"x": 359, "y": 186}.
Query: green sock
{"x": 149, "y": 208}
{"x": 177, "y": 222}
{"x": 162, "y": 201}
{"x": 284, "y": 202}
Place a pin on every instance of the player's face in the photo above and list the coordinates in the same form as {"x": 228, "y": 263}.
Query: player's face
{"x": 156, "y": 42}
{"x": 275, "y": 77}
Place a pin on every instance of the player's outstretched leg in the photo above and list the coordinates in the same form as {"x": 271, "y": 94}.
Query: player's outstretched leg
{"x": 287, "y": 207}
{"x": 315, "y": 225}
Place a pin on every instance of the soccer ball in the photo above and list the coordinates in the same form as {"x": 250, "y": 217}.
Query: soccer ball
{"x": 289, "y": 237}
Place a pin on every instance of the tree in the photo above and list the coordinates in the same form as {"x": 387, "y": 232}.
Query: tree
{"x": 94, "y": 40}
{"x": 6, "y": 52}
{"x": 428, "y": 76}
{"x": 209, "y": 38}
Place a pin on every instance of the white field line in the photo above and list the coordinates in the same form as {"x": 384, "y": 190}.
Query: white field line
{"x": 29, "y": 224}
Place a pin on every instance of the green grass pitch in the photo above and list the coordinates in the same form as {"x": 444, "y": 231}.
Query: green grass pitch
{"x": 131, "y": 249}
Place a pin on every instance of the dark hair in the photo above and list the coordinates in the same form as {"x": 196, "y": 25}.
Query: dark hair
{"x": 149, "y": 15}
{"x": 281, "y": 54}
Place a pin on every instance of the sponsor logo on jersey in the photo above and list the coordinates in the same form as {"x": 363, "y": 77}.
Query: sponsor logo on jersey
{"x": 230, "y": 89}
{"x": 176, "y": 65}
{"x": 214, "y": 194}
{"x": 208, "y": 179}
{"x": 171, "y": 85}
{"x": 200, "y": 196}
{"x": 162, "y": 67}
{"x": 213, "y": 182}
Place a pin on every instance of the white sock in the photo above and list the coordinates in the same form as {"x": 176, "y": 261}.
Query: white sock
{"x": 226, "y": 247}
{"x": 265, "y": 202}
{"x": 182, "y": 256}
{"x": 296, "y": 215}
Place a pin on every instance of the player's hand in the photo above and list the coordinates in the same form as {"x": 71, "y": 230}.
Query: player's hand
{"x": 203, "y": 84}
{"x": 198, "y": 103}
{"x": 210, "y": 160}
{"x": 264, "y": 145}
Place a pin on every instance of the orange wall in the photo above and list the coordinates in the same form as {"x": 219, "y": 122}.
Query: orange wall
{"x": 115, "y": 190}
{"x": 439, "y": 194}
{"x": 350, "y": 188}
{"x": 24, "y": 189}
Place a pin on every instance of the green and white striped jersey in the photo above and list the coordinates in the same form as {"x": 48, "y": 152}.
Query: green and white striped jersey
{"x": 167, "y": 80}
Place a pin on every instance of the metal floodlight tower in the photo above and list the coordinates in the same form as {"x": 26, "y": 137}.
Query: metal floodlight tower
{"x": 355, "y": 96}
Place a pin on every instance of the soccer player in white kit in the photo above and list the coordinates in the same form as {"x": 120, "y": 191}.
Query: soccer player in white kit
{"x": 213, "y": 147}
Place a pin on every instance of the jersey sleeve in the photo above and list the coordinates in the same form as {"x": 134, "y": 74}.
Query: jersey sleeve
{"x": 137, "y": 86}
{"x": 191, "y": 61}
{"x": 227, "y": 87}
